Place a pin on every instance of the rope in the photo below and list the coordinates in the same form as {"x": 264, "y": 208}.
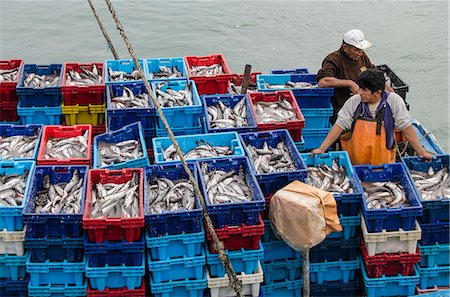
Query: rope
{"x": 105, "y": 34}
{"x": 236, "y": 284}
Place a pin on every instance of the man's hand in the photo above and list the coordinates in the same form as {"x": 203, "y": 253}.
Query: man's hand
{"x": 354, "y": 88}
{"x": 316, "y": 151}
{"x": 426, "y": 155}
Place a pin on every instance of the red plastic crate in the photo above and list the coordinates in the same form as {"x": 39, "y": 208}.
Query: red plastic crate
{"x": 238, "y": 78}
{"x": 113, "y": 229}
{"x": 294, "y": 126}
{"x": 82, "y": 95}
{"x": 8, "y": 89}
{"x": 151, "y": 156}
{"x": 121, "y": 292}
{"x": 8, "y": 112}
{"x": 212, "y": 84}
{"x": 389, "y": 264}
{"x": 97, "y": 130}
{"x": 238, "y": 237}
{"x": 265, "y": 212}
{"x": 50, "y": 132}
{"x": 206, "y": 61}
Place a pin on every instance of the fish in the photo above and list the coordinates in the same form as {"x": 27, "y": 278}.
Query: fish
{"x": 130, "y": 100}
{"x": 18, "y": 146}
{"x": 332, "y": 179}
{"x": 271, "y": 159}
{"x": 123, "y": 76}
{"x": 85, "y": 78}
{"x": 203, "y": 150}
{"x": 222, "y": 116}
{"x": 291, "y": 85}
{"x": 9, "y": 75}
{"x": 12, "y": 189}
{"x": 165, "y": 195}
{"x": 236, "y": 89}
{"x": 41, "y": 81}
{"x": 64, "y": 197}
{"x": 66, "y": 148}
{"x": 170, "y": 97}
{"x": 224, "y": 187}
{"x": 379, "y": 195}
{"x": 432, "y": 185}
{"x": 116, "y": 200}
{"x": 165, "y": 72}
{"x": 114, "y": 153}
{"x": 279, "y": 111}
{"x": 211, "y": 70}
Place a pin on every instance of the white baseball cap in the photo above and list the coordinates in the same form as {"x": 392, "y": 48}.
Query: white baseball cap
{"x": 356, "y": 38}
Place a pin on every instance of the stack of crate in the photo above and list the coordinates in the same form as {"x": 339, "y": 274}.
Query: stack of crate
{"x": 10, "y": 73}
{"x": 389, "y": 247}
{"x": 84, "y": 103}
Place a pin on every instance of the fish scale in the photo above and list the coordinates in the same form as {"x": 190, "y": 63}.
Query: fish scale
{"x": 271, "y": 159}
{"x": 12, "y": 189}
{"x": 332, "y": 179}
{"x": 165, "y": 195}
{"x": 9, "y": 75}
{"x": 17, "y": 146}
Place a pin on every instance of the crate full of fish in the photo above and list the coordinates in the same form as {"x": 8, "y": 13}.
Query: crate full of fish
{"x": 166, "y": 68}
{"x": 83, "y": 84}
{"x": 304, "y": 86}
{"x": 119, "y": 292}
{"x": 227, "y": 113}
{"x": 277, "y": 110}
{"x": 9, "y": 77}
{"x": 49, "y": 290}
{"x": 19, "y": 142}
{"x": 290, "y": 71}
{"x": 187, "y": 287}
{"x": 114, "y": 205}
{"x": 12, "y": 267}
{"x": 434, "y": 276}
{"x": 235, "y": 86}
{"x": 198, "y": 147}
{"x": 284, "y": 269}
{"x": 127, "y": 103}
{"x": 40, "y": 85}
{"x": 334, "y": 249}
{"x": 54, "y": 249}
{"x": 333, "y": 172}
{"x": 55, "y": 201}
{"x": 12, "y": 242}
{"x": 317, "y": 117}
{"x": 434, "y": 254}
{"x": 123, "y": 148}
{"x": 56, "y": 273}
{"x": 285, "y": 288}
{"x": 432, "y": 182}
{"x": 39, "y": 115}
{"x": 15, "y": 183}
{"x": 122, "y": 71}
{"x": 435, "y": 232}
{"x": 390, "y": 201}
{"x": 18, "y": 288}
{"x": 84, "y": 114}
{"x": 66, "y": 145}
{"x": 231, "y": 192}
{"x": 274, "y": 159}
{"x": 314, "y": 137}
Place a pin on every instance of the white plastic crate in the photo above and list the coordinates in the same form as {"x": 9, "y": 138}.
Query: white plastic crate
{"x": 12, "y": 242}
{"x": 390, "y": 241}
{"x": 220, "y": 286}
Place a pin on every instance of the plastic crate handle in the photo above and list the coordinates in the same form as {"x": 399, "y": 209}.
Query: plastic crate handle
{"x": 7, "y": 164}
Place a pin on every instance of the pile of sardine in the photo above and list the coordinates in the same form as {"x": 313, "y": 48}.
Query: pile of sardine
{"x": 12, "y": 189}
{"x": 212, "y": 70}
{"x": 9, "y": 74}
{"x": 384, "y": 195}
{"x": 122, "y": 75}
{"x": 130, "y": 100}
{"x": 226, "y": 187}
{"x": 332, "y": 179}
{"x": 280, "y": 111}
{"x": 170, "y": 98}
{"x": 85, "y": 78}
{"x": 237, "y": 89}
{"x": 432, "y": 185}
{"x": 41, "y": 81}
{"x": 17, "y": 146}
{"x": 65, "y": 148}
{"x": 165, "y": 195}
{"x": 114, "y": 153}
{"x": 116, "y": 200}
{"x": 63, "y": 197}
{"x": 222, "y": 116}
{"x": 166, "y": 72}
{"x": 203, "y": 150}
{"x": 292, "y": 85}
{"x": 271, "y": 159}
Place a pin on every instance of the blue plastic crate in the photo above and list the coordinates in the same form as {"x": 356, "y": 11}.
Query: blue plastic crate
{"x": 152, "y": 66}
{"x": 177, "y": 269}
{"x": 10, "y": 288}
{"x": 427, "y": 140}
{"x": 278, "y": 250}
{"x": 13, "y": 267}
{"x": 434, "y": 276}
{"x": 300, "y": 145}
{"x": 284, "y": 269}
{"x": 53, "y": 225}
{"x": 187, "y": 130}
{"x": 349, "y": 225}
{"x": 306, "y": 98}
{"x": 40, "y": 115}
{"x": 116, "y": 276}
{"x": 344, "y": 271}
{"x": 11, "y": 217}
{"x": 39, "y": 97}
{"x": 390, "y": 219}
{"x": 435, "y": 254}
{"x": 114, "y": 253}
{"x": 125, "y": 65}
{"x": 188, "y": 142}
{"x": 174, "y": 246}
{"x": 59, "y": 249}
{"x": 7, "y": 130}
{"x": 180, "y": 116}
{"x": 170, "y": 223}
{"x": 338, "y": 288}
{"x": 236, "y": 213}
{"x": 191, "y": 288}
{"x": 243, "y": 261}
{"x": 118, "y": 118}
{"x": 284, "y": 288}
{"x": 49, "y": 290}
{"x": 269, "y": 235}
{"x": 347, "y": 204}
{"x": 292, "y": 71}
{"x": 317, "y": 117}
{"x": 229, "y": 100}
{"x": 271, "y": 182}
{"x": 314, "y": 137}
{"x": 130, "y": 132}
{"x": 435, "y": 232}
{"x": 56, "y": 273}
{"x": 332, "y": 249}
{"x": 433, "y": 210}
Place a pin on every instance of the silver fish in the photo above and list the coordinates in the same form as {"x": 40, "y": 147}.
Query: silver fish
{"x": 85, "y": 78}
{"x": 166, "y": 72}
{"x": 380, "y": 195}
{"x": 17, "y": 146}
{"x": 65, "y": 148}
{"x": 332, "y": 179}
{"x": 212, "y": 70}
{"x": 237, "y": 89}
{"x": 170, "y": 98}
{"x": 41, "y": 81}
{"x": 280, "y": 111}
{"x": 203, "y": 150}
{"x": 432, "y": 185}
{"x": 165, "y": 195}
{"x": 222, "y": 116}
{"x": 271, "y": 159}
{"x": 9, "y": 75}
{"x": 114, "y": 153}
{"x": 123, "y": 76}
{"x": 12, "y": 188}
{"x": 130, "y": 100}
{"x": 292, "y": 85}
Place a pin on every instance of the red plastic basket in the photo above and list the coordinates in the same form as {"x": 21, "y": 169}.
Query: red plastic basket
{"x": 151, "y": 156}
{"x": 8, "y": 112}
{"x": 8, "y": 89}
{"x": 206, "y": 61}
{"x": 50, "y": 132}
{"x": 121, "y": 292}
{"x": 212, "y": 84}
{"x": 82, "y": 95}
{"x": 97, "y": 130}
{"x": 265, "y": 212}
{"x": 113, "y": 229}
{"x": 238, "y": 237}
{"x": 294, "y": 126}
{"x": 389, "y": 264}
{"x": 238, "y": 78}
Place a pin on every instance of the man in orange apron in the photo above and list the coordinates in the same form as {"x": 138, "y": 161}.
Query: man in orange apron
{"x": 366, "y": 123}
